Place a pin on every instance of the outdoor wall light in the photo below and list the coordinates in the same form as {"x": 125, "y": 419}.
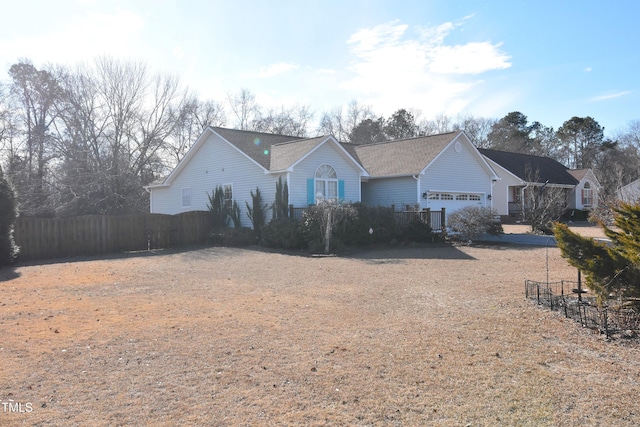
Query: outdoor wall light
{"x": 488, "y": 196}
{"x": 425, "y": 195}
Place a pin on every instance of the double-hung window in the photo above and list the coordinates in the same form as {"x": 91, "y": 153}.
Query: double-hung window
{"x": 587, "y": 195}
{"x": 228, "y": 195}
{"x": 326, "y": 184}
{"x": 186, "y": 197}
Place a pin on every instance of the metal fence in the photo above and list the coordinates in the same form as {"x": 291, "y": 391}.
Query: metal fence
{"x": 568, "y": 297}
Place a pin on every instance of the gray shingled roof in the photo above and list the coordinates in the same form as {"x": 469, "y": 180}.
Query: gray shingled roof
{"x": 578, "y": 173}
{"x": 256, "y": 145}
{"x": 402, "y": 157}
{"x": 285, "y": 154}
{"x": 527, "y": 167}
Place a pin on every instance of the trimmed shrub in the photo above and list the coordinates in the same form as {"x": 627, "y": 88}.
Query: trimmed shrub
{"x": 371, "y": 225}
{"x": 283, "y": 233}
{"x": 417, "y": 231}
{"x": 472, "y": 222}
{"x": 233, "y": 237}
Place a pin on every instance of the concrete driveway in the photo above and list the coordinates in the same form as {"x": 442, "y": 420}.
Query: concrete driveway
{"x": 518, "y": 234}
{"x": 520, "y": 239}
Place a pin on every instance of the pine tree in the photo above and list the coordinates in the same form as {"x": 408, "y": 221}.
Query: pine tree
{"x": 8, "y": 214}
{"x": 610, "y": 269}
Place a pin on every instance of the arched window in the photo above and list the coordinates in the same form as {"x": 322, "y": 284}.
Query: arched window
{"x": 587, "y": 195}
{"x": 326, "y": 184}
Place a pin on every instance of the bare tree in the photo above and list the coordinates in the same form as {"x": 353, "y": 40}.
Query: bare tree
{"x": 117, "y": 121}
{"x": 244, "y": 107}
{"x": 33, "y": 95}
{"x": 341, "y": 123}
{"x": 284, "y": 121}
{"x": 190, "y": 121}
{"x": 542, "y": 203}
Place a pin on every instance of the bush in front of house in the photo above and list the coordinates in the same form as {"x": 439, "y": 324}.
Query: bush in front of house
{"x": 233, "y": 237}
{"x": 8, "y": 215}
{"x": 283, "y": 233}
{"x": 471, "y": 222}
{"x": 371, "y": 225}
{"x": 417, "y": 231}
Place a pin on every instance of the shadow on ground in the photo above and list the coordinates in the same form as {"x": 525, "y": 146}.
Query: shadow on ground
{"x": 8, "y": 273}
{"x": 397, "y": 254}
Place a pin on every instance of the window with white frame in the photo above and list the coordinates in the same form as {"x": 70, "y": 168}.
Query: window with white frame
{"x": 446, "y": 196}
{"x": 587, "y": 195}
{"x": 462, "y": 197}
{"x": 326, "y": 184}
{"x": 474, "y": 197}
{"x": 186, "y": 197}
{"x": 228, "y": 195}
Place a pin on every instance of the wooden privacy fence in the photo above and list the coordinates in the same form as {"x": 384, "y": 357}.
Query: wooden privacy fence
{"x": 42, "y": 238}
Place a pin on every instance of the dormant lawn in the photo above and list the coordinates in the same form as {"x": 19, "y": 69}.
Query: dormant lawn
{"x": 424, "y": 335}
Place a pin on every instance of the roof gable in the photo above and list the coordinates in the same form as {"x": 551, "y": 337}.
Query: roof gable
{"x": 531, "y": 168}
{"x": 255, "y": 145}
{"x": 286, "y": 154}
{"x": 402, "y": 157}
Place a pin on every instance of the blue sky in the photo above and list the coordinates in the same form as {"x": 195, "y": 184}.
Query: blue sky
{"x": 550, "y": 60}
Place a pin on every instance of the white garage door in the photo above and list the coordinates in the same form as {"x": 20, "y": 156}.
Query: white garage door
{"x": 454, "y": 201}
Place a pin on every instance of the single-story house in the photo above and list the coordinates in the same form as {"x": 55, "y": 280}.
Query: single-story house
{"x": 435, "y": 172}
{"x": 241, "y": 161}
{"x": 519, "y": 172}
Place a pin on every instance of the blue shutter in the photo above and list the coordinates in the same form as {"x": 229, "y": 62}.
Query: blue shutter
{"x": 311, "y": 200}
{"x": 341, "y": 189}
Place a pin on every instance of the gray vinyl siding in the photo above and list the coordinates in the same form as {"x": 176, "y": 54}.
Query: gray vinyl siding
{"x": 215, "y": 163}
{"x": 327, "y": 153}
{"x": 456, "y": 172}
{"x": 398, "y": 191}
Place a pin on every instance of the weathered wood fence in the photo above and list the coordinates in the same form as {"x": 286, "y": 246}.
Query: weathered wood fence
{"x": 43, "y": 238}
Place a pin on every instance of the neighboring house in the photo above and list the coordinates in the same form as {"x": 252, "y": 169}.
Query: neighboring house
{"x": 241, "y": 161}
{"x": 519, "y": 172}
{"x": 435, "y": 172}
{"x": 630, "y": 193}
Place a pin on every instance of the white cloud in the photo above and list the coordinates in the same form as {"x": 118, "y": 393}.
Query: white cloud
{"x": 276, "y": 69}
{"x": 472, "y": 58}
{"x": 609, "y": 96}
{"x": 396, "y": 70}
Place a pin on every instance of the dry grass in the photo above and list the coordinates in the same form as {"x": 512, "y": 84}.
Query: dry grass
{"x": 432, "y": 335}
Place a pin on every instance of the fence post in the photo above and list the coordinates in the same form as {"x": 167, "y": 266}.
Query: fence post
{"x": 538, "y": 292}
{"x": 443, "y": 219}
{"x": 291, "y": 213}
{"x": 606, "y": 321}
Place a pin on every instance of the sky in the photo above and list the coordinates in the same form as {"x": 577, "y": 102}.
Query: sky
{"x": 550, "y": 60}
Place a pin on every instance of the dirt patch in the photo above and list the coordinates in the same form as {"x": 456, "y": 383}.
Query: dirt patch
{"x": 432, "y": 335}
